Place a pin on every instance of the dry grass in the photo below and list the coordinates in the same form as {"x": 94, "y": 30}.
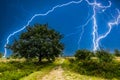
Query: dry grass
{"x": 8, "y": 60}
{"x": 117, "y": 59}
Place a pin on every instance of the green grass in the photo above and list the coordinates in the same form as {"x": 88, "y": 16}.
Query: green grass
{"x": 70, "y": 75}
{"x": 39, "y": 74}
{"x": 15, "y": 70}
{"x": 45, "y": 70}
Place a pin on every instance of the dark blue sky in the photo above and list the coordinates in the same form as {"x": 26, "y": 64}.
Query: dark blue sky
{"x": 14, "y": 14}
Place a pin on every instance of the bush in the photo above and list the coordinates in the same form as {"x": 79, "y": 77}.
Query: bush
{"x": 103, "y": 67}
{"x": 94, "y": 68}
{"x": 104, "y": 56}
{"x": 117, "y": 52}
{"x": 83, "y": 55}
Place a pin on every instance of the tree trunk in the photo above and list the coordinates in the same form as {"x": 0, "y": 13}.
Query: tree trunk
{"x": 48, "y": 57}
{"x": 40, "y": 57}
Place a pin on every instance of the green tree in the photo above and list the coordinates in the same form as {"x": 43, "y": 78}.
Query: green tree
{"x": 38, "y": 41}
{"x": 83, "y": 54}
{"x": 117, "y": 52}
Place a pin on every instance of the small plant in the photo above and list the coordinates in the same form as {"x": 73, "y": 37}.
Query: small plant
{"x": 0, "y": 55}
{"x": 83, "y": 55}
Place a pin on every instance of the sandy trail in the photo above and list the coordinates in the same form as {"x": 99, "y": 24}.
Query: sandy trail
{"x": 55, "y": 74}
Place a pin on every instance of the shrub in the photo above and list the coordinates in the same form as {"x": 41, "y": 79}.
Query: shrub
{"x": 83, "y": 55}
{"x": 104, "y": 56}
{"x": 117, "y": 52}
{"x": 94, "y": 68}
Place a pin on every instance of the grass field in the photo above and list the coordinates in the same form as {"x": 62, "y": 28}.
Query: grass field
{"x": 19, "y": 69}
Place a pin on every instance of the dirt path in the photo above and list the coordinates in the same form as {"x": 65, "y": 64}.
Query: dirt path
{"x": 55, "y": 74}
{"x": 59, "y": 74}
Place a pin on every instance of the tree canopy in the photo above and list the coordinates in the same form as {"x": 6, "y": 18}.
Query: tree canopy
{"x": 38, "y": 41}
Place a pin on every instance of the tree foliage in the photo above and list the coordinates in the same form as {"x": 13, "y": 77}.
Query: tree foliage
{"x": 104, "y": 56}
{"x": 83, "y": 54}
{"x": 38, "y": 41}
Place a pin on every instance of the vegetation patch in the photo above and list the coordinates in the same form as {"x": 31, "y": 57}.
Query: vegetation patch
{"x": 15, "y": 70}
{"x": 103, "y": 65}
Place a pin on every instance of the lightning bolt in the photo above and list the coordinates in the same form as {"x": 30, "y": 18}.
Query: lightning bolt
{"x": 83, "y": 26}
{"x": 37, "y": 15}
{"x": 110, "y": 24}
{"x": 93, "y": 18}
{"x": 95, "y": 26}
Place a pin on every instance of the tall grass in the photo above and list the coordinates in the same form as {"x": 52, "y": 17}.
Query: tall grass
{"x": 14, "y": 70}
